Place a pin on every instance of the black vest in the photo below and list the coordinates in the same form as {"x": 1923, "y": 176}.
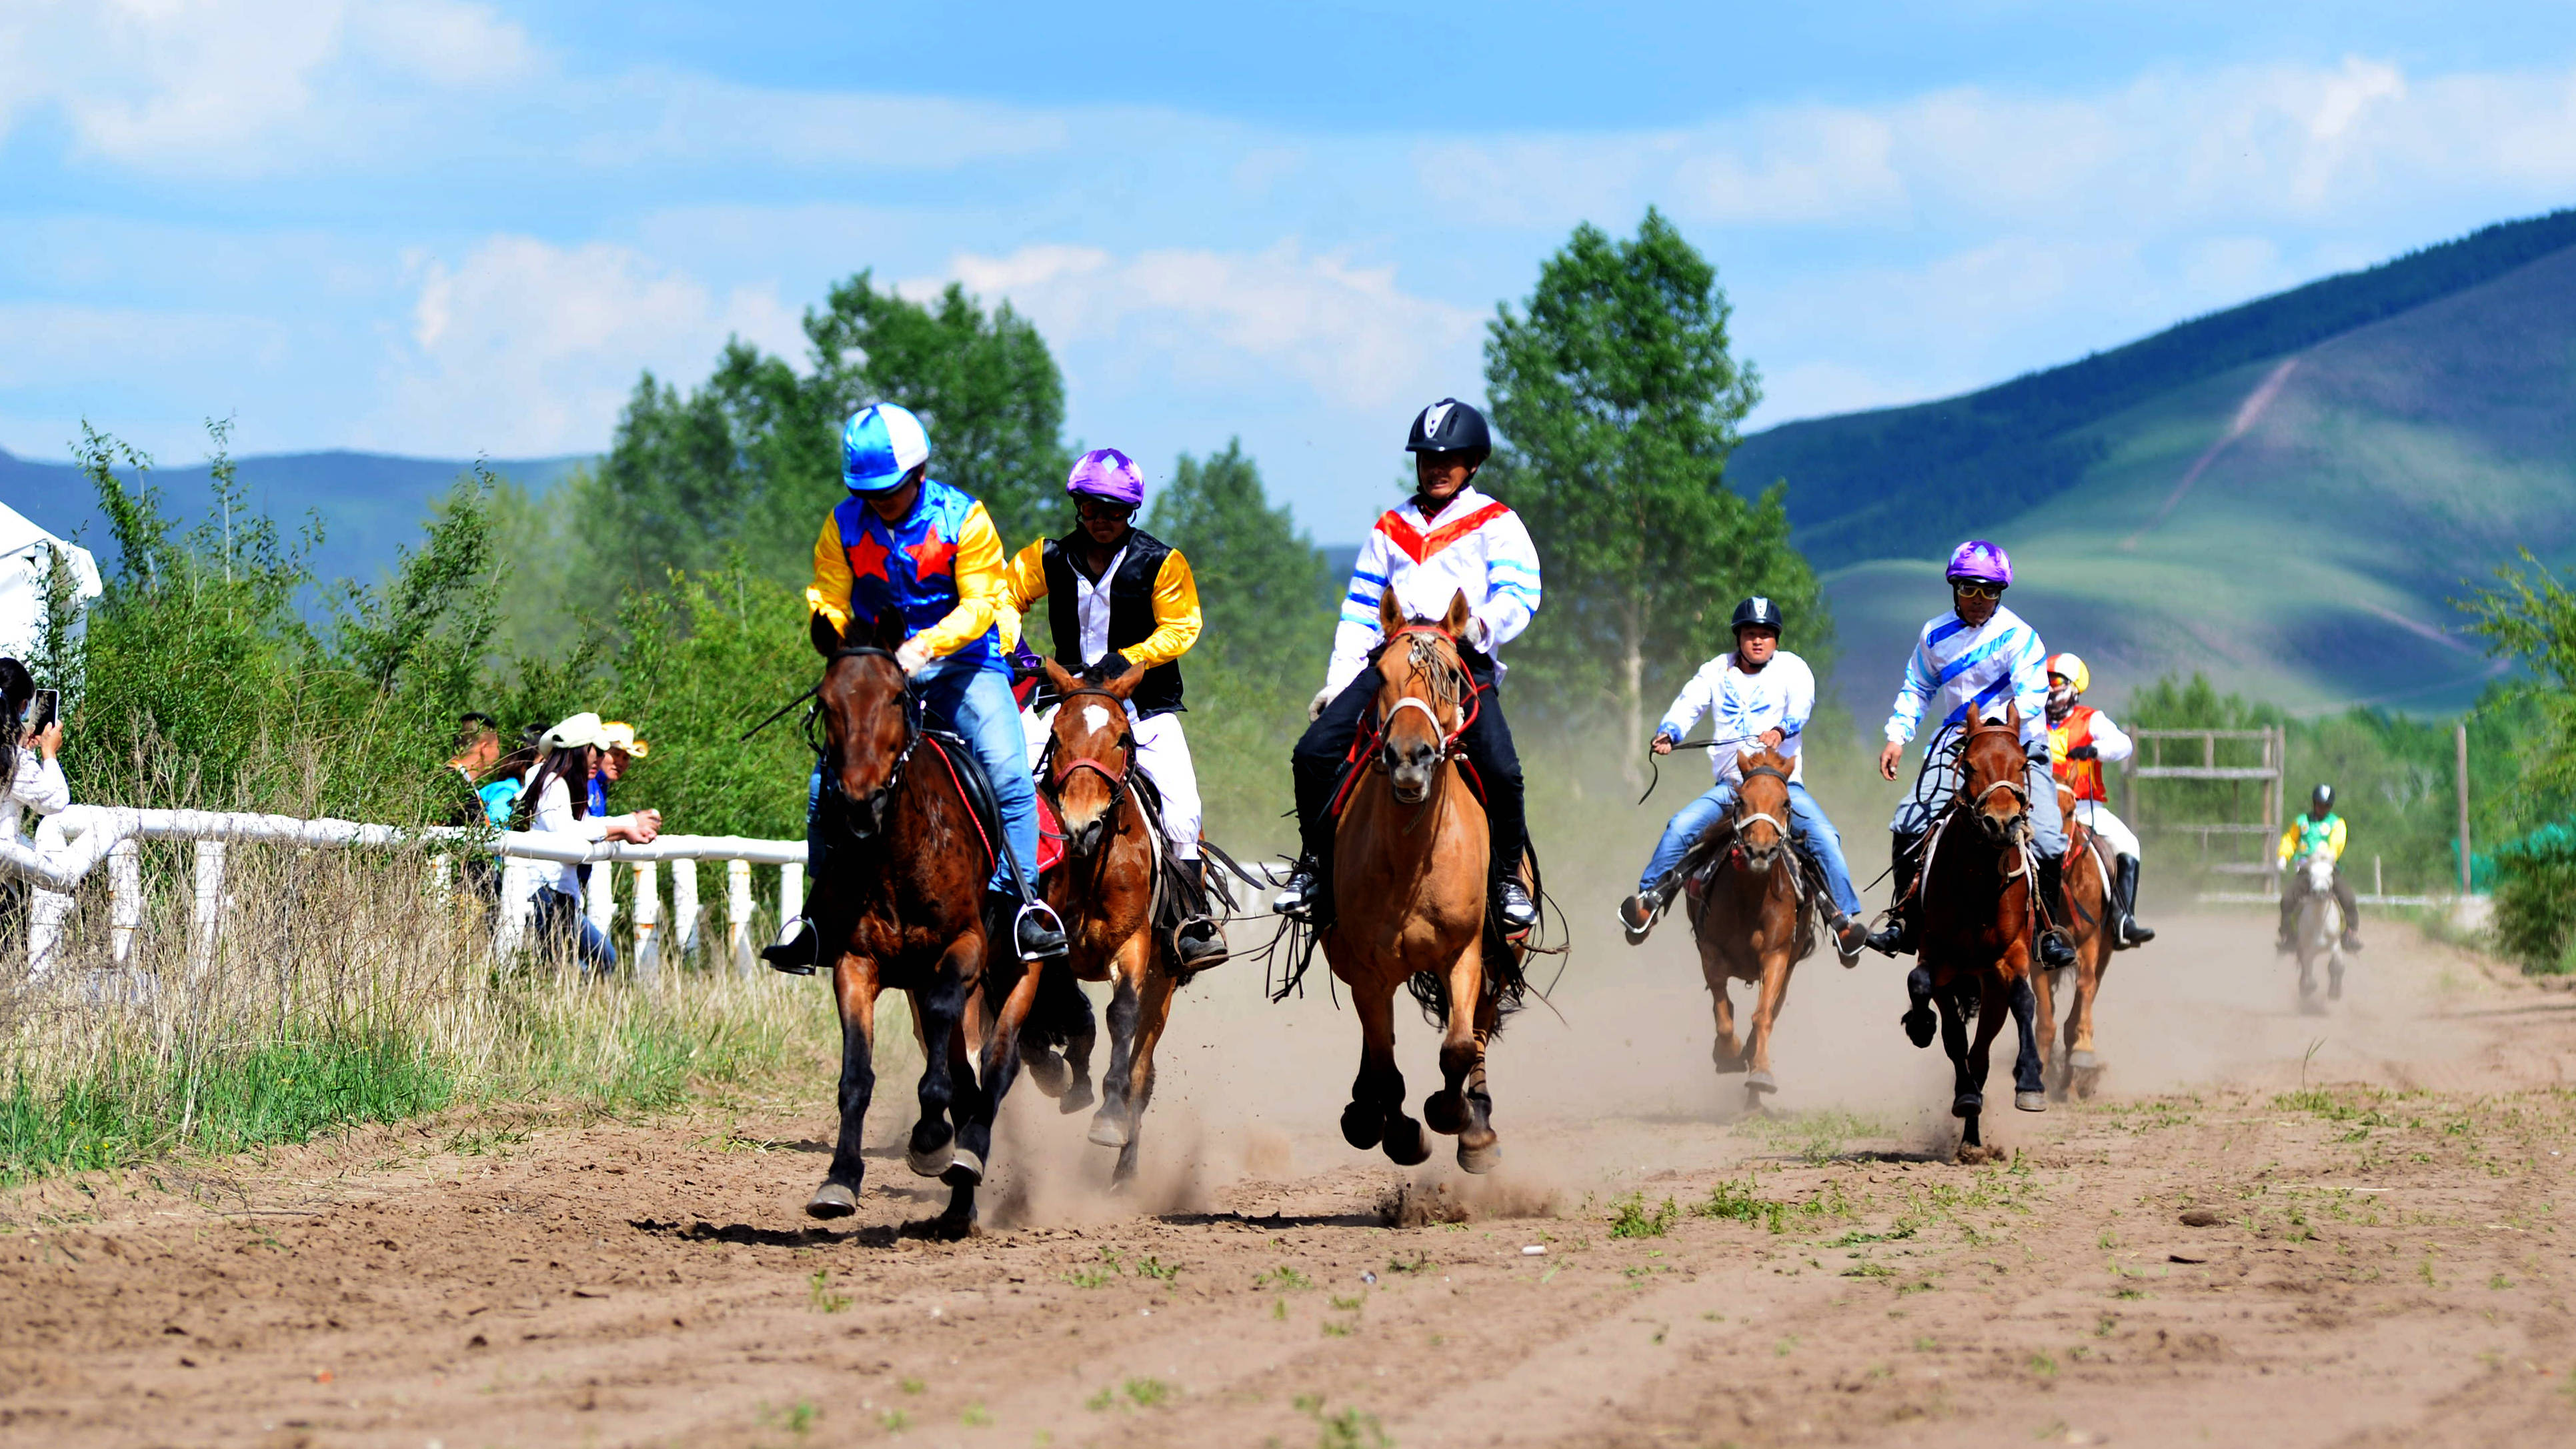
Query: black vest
{"x": 1131, "y": 612}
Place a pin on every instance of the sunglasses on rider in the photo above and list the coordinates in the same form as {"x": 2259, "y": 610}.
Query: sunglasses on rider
{"x": 1971, "y": 589}
{"x": 1114, "y": 512}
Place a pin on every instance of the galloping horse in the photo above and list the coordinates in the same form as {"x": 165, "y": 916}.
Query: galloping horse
{"x": 899, "y": 907}
{"x": 1409, "y": 871}
{"x": 2320, "y": 933}
{"x": 1104, "y": 890}
{"x": 1979, "y": 922}
{"x": 1752, "y": 922}
{"x": 2082, "y": 912}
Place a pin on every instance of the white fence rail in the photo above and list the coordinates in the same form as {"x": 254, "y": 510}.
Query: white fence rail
{"x": 69, "y": 846}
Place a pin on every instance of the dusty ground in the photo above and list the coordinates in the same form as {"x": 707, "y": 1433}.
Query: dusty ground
{"x": 2383, "y": 1261}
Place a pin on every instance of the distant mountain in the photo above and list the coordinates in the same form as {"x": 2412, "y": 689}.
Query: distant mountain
{"x": 369, "y": 503}
{"x": 2286, "y": 495}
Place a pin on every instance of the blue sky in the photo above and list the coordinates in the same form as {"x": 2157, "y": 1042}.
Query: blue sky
{"x": 442, "y": 228}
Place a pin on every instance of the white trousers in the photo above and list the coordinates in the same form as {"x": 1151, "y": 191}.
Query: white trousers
{"x": 1163, "y": 753}
{"x": 2097, "y": 817}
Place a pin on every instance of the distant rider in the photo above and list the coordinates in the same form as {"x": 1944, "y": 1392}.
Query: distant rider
{"x": 1446, "y": 539}
{"x": 2320, "y": 828}
{"x": 2080, "y": 739}
{"x": 1118, "y": 596}
{"x": 906, "y": 541}
{"x": 1967, "y": 665}
{"x": 1757, "y": 697}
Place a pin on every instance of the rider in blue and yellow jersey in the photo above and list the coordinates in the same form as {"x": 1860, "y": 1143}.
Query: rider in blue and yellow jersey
{"x": 906, "y": 541}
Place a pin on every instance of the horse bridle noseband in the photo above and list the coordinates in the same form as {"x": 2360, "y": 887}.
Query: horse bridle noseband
{"x": 2016, "y": 784}
{"x": 1741, "y": 819}
{"x": 874, "y": 806}
{"x": 1119, "y": 780}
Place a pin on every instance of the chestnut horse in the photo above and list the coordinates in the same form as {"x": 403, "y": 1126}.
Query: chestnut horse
{"x": 899, "y": 906}
{"x": 1104, "y": 891}
{"x": 2083, "y": 913}
{"x": 1752, "y": 923}
{"x": 1979, "y": 928}
{"x": 1409, "y": 873}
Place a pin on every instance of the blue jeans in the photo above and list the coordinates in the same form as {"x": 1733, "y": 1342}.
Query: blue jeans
{"x": 976, "y": 703}
{"x": 560, "y": 927}
{"x": 1807, "y": 824}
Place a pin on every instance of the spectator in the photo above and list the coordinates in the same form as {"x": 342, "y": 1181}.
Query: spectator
{"x": 619, "y": 757}
{"x": 34, "y": 780}
{"x": 571, "y": 754}
{"x": 477, "y": 749}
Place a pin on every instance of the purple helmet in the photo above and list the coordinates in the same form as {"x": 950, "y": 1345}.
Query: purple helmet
{"x": 1981, "y": 562}
{"x": 1110, "y": 474}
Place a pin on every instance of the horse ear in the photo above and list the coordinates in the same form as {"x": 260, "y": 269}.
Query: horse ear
{"x": 1058, "y": 678}
{"x": 1390, "y": 614}
{"x": 1455, "y": 622}
{"x": 826, "y": 635}
{"x": 1746, "y": 760}
{"x": 890, "y": 630}
{"x": 1126, "y": 682}
{"x": 2012, "y": 715}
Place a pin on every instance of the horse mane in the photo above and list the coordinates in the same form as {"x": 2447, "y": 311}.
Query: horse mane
{"x": 1443, "y": 674}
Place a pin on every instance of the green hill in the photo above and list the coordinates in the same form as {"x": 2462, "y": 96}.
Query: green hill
{"x": 2285, "y": 495}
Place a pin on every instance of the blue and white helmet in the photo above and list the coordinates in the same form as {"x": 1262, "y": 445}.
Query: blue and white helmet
{"x": 881, "y": 443}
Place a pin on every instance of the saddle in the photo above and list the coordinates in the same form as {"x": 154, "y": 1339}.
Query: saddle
{"x": 1715, "y": 851}
{"x": 967, "y": 772}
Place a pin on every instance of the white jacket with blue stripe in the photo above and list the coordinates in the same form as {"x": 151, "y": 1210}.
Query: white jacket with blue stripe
{"x": 1956, "y": 669}
{"x": 1475, "y": 545}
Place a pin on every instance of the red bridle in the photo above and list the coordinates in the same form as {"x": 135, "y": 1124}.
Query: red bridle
{"x": 1448, "y": 737}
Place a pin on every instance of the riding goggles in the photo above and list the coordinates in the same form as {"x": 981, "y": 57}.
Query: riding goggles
{"x": 1089, "y": 509}
{"x": 1976, "y": 589}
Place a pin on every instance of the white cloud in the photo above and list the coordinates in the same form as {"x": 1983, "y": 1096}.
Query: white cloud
{"x": 528, "y": 348}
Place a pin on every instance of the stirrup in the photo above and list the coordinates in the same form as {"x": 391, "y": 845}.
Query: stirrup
{"x": 1048, "y": 946}
{"x": 794, "y": 950}
{"x": 1209, "y": 943}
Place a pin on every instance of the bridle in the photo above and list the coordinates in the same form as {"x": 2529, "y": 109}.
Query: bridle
{"x": 1120, "y": 779}
{"x": 2014, "y": 784}
{"x": 860, "y": 820}
{"x": 1742, "y": 818}
{"x": 1452, "y": 678}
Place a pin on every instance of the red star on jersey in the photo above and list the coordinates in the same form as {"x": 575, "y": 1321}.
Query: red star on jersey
{"x": 867, "y": 557}
{"x": 931, "y": 555}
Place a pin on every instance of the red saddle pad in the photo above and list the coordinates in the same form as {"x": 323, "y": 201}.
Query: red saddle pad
{"x": 1050, "y": 836}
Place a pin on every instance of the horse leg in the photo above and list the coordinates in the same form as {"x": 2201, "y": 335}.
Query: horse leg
{"x": 2052, "y": 1064}
{"x": 1375, "y": 1116}
{"x": 1110, "y": 1125}
{"x": 1479, "y": 1148}
{"x": 1966, "y": 1093}
{"x": 2083, "y": 1065}
{"x": 1445, "y": 1111}
{"x": 1727, "y": 1054}
{"x": 1917, "y": 1020}
{"x": 854, "y": 989}
{"x": 1080, "y": 1033}
{"x": 2028, "y": 1095}
{"x": 1000, "y": 1067}
{"x": 940, "y": 1010}
{"x": 1153, "y": 1009}
{"x": 1771, "y": 994}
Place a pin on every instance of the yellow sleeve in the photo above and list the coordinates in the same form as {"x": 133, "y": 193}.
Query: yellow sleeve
{"x": 2335, "y": 837}
{"x": 2288, "y": 836}
{"x": 829, "y": 594}
{"x": 982, "y": 589}
{"x": 1025, "y": 576}
{"x": 1008, "y": 621}
{"x": 1176, "y": 615}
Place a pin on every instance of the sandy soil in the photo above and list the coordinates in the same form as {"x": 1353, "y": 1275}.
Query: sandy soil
{"x": 2198, "y": 1256}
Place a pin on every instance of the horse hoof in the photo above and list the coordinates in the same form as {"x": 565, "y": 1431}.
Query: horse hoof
{"x": 1107, "y": 1131}
{"x": 932, "y": 1163}
{"x": 1362, "y": 1126}
{"x": 1077, "y": 1097}
{"x": 1479, "y": 1160}
{"x": 965, "y": 1169}
{"x": 1919, "y": 1025}
{"x": 1967, "y": 1104}
{"x": 832, "y": 1200}
{"x": 1444, "y": 1113}
{"x": 2087, "y": 1083}
{"x": 1046, "y": 1071}
{"x": 1405, "y": 1144}
{"x": 2084, "y": 1062}
{"x": 1759, "y": 1082}
{"x": 2030, "y": 1101}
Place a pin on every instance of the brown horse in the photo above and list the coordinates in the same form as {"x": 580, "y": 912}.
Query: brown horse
{"x": 1979, "y": 928}
{"x": 898, "y": 905}
{"x": 2083, "y": 914}
{"x": 1409, "y": 872}
{"x": 1104, "y": 891}
{"x": 1752, "y": 922}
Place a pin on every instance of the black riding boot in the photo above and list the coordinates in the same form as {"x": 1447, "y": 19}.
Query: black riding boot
{"x": 1905, "y": 863}
{"x": 799, "y": 943}
{"x": 1196, "y": 940}
{"x": 2124, "y": 890}
{"x": 2054, "y": 951}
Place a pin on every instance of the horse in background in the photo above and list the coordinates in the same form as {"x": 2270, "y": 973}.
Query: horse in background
{"x": 2083, "y": 913}
{"x": 2319, "y": 936}
{"x": 1751, "y": 922}
{"x": 1980, "y": 922}
{"x": 1409, "y": 873}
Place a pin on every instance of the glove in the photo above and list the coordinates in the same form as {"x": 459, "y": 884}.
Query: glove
{"x": 2084, "y": 752}
{"x": 1315, "y": 706}
{"x": 1480, "y": 635}
{"x": 912, "y": 656}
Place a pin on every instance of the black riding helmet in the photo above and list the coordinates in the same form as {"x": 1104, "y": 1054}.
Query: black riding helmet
{"x": 1450, "y": 426}
{"x": 2321, "y": 802}
{"x": 1757, "y": 611}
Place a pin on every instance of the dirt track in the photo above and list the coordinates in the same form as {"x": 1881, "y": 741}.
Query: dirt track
{"x": 2388, "y": 1261}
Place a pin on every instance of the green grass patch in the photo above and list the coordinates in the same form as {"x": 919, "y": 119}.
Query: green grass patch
{"x": 1631, "y": 1218}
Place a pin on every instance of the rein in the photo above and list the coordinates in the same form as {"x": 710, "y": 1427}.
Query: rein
{"x": 913, "y": 734}
{"x": 1452, "y": 675}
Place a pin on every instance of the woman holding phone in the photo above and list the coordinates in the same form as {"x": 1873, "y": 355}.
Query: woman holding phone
{"x": 36, "y": 736}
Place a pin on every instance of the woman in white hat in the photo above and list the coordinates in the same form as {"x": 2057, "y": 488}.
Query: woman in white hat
{"x": 568, "y": 754}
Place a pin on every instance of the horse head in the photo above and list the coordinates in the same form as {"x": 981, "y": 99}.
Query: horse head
{"x": 1994, "y": 771}
{"x": 1091, "y": 752}
{"x": 1421, "y": 707}
{"x": 2319, "y": 867}
{"x": 1761, "y": 814}
{"x": 866, "y": 712}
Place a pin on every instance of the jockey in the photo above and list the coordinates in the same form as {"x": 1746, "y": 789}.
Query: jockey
{"x": 1118, "y": 596}
{"x": 2320, "y": 828}
{"x": 1447, "y": 539}
{"x": 1758, "y": 697}
{"x": 1967, "y": 665}
{"x": 906, "y": 541}
{"x": 2080, "y": 738}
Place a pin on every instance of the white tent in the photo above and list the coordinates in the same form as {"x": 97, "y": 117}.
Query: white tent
{"x": 26, "y": 554}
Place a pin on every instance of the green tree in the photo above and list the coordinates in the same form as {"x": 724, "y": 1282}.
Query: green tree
{"x": 1262, "y": 586}
{"x": 751, "y": 458}
{"x": 1619, "y": 400}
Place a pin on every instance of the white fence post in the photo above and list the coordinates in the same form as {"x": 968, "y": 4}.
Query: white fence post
{"x": 46, "y": 910}
{"x": 206, "y": 919}
{"x": 518, "y": 884}
{"x": 648, "y": 914}
{"x": 683, "y": 929}
{"x": 599, "y": 897}
{"x": 738, "y": 914}
{"x": 125, "y": 906}
{"x": 791, "y": 893}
